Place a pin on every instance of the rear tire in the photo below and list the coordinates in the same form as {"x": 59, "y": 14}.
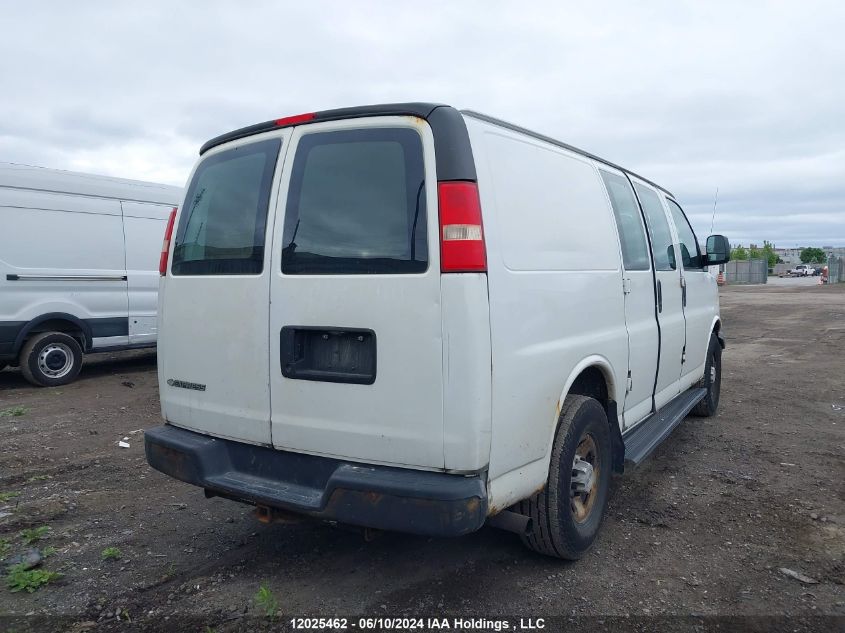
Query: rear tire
{"x": 565, "y": 519}
{"x": 712, "y": 380}
{"x": 50, "y": 359}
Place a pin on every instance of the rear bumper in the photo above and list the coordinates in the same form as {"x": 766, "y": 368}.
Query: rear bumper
{"x": 381, "y": 497}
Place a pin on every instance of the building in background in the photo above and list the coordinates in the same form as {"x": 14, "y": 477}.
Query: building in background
{"x": 792, "y": 256}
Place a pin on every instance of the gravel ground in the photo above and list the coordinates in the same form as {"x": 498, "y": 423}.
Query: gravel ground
{"x": 702, "y": 529}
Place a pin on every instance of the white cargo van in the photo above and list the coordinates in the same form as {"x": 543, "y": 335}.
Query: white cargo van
{"x": 412, "y": 318}
{"x": 78, "y": 267}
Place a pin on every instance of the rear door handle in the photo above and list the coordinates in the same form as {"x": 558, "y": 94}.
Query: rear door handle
{"x": 659, "y": 296}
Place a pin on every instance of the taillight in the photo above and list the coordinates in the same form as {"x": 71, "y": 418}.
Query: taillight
{"x": 295, "y": 119}
{"x": 165, "y": 247}
{"x": 461, "y": 233}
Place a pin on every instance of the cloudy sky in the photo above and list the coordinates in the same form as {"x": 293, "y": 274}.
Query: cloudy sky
{"x": 745, "y": 96}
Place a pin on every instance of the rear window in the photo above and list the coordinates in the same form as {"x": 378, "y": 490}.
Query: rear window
{"x": 356, "y": 204}
{"x": 658, "y": 228}
{"x": 222, "y": 227}
{"x": 627, "y": 213}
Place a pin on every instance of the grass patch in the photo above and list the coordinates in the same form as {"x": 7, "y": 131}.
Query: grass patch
{"x": 33, "y": 535}
{"x": 6, "y": 496}
{"x": 29, "y": 580}
{"x": 111, "y": 553}
{"x": 38, "y": 478}
{"x": 13, "y": 412}
{"x": 266, "y": 601}
{"x": 5, "y": 546}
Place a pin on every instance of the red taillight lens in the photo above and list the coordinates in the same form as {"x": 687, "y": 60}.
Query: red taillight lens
{"x": 295, "y": 119}
{"x": 165, "y": 247}
{"x": 461, "y": 233}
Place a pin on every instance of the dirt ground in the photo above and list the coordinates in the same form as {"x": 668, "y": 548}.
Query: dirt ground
{"x": 702, "y": 529}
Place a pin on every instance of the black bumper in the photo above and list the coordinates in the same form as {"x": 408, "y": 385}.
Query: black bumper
{"x": 381, "y": 497}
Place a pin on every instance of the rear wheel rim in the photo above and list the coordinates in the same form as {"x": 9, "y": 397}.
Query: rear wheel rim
{"x": 55, "y": 360}
{"x": 586, "y": 471}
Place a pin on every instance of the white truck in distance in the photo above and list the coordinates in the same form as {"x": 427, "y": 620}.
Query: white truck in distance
{"x": 407, "y": 317}
{"x": 803, "y": 270}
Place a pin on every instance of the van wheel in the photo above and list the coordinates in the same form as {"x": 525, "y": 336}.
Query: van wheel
{"x": 567, "y": 513}
{"x": 50, "y": 359}
{"x": 712, "y": 380}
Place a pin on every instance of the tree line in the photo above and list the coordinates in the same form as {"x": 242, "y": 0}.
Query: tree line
{"x": 808, "y": 255}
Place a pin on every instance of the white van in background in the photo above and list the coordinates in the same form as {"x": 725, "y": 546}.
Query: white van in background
{"x": 412, "y": 318}
{"x": 78, "y": 267}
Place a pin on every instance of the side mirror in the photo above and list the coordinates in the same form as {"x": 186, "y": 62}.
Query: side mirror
{"x": 718, "y": 250}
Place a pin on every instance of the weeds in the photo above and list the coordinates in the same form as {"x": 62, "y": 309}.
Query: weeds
{"x": 22, "y": 579}
{"x": 48, "y": 551}
{"x": 111, "y": 553}
{"x": 38, "y": 478}
{"x": 170, "y": 572}
{"x": 33, "y": 535}
{"x": 7, "y": 496}
{"x": 13, "y": 412}
{"x": 267, "y": 602}
{"x": 5, "y": 546}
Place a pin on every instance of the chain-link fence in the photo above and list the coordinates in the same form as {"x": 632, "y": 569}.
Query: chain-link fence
{"x": 836, "y": 270}
{"x": 750, "y": 271}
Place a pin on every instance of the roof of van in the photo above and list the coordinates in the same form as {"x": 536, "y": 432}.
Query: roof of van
{"x": 552, "y": 141}
{"x": 423, "y": 110}
{"x": 17, "y": 176}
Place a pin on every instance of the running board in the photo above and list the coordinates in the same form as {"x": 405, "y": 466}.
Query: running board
{"x": 649, "y": 433}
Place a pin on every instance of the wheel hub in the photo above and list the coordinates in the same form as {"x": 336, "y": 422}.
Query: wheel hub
{"x": 583, "y": 476}
{"x": 55, "y": 360}
{"x": 582, "y": 481}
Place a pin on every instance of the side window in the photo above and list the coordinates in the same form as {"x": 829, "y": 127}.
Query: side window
{"x": 658, "y": 228}
{"x": 356, "y": 204}
{"x": 690, "y": 253}
{"x": 627, "y": 213}
{"x": 222, "y": 228}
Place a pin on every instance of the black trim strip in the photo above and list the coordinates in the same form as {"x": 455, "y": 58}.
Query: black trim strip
{"x": 66, "y": 277}
{"x": 108, "y": 326}
{"x": 9, "y": 330}
{"x": 542, "y": 137}
{"x": 80, "y": 324}
{"x": 14, "y": 333}
{"x": 453, "y": 153}
{"x": 121, "y": 348}
{"x": 421, "y": 110}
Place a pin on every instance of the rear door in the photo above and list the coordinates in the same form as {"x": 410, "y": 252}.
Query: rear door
{"x": 355, "y": 327}
{"x": 670, "y": 311}
{"x": 213, "y": 356}
{"x": 639, "y": 288}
